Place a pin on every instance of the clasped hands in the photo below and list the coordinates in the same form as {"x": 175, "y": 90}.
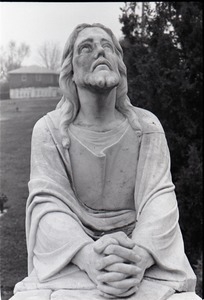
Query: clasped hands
{"x": 115, "y": 264}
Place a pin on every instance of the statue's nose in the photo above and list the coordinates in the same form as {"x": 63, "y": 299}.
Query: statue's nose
{"x": 99, "y": 51}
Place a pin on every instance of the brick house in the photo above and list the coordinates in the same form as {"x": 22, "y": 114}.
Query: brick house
{"x": 33, "y": 82}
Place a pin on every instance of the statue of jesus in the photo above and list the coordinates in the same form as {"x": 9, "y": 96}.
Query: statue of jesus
{"x": 102, "y": 215}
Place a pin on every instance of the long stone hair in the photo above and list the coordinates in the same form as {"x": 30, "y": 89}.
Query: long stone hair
{"x": 69, "y": 104}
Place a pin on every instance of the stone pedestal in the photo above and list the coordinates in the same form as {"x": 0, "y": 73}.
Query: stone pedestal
{"x": 148, "y": 291}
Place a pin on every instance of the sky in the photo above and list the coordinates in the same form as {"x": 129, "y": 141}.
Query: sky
{"x": 36, "y": 22}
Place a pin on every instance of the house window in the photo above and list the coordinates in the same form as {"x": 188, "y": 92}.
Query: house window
{"x": 23, "y": 77}
{"x": 38, "y": 77}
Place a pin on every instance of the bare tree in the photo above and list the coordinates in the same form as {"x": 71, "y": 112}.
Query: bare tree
{"x": 12, "y": 57}
{"x": 50, "y": 55}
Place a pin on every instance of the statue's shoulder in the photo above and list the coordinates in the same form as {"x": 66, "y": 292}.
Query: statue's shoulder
{"x": 50, "y": 120}
{"x": 148, "y": 121}
{"x": 53, "y": 118}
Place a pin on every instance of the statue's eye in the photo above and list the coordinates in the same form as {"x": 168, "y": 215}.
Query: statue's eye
{"x": 85, "y": 48}
{"x": 108, "y": 46}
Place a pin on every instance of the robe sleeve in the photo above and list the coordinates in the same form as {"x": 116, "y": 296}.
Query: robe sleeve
{"x": 156, "y": 206}
{"x": 54, "y": 234}
{"x": 59, "y": 237}
{"x": 157, "y": 228}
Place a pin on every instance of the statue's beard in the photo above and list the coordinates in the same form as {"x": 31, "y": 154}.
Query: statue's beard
{"x": 102, "y": 80}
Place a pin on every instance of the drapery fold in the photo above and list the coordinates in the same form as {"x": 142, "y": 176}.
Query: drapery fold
{"x": 153, "y": 225}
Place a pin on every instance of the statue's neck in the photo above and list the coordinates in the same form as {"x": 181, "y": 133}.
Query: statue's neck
{"x": 97, "y": 110}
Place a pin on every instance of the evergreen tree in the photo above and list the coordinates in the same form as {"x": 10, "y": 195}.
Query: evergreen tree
{"x": 163, "y": 55}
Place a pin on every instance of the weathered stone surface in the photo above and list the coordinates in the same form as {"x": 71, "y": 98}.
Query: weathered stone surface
{"x": 185, "y": 296}
{"x": 147, "y": 291}
{"x": 33, "y": 295}
{"x": 102, "y": 202}
{"x": 93, "y": 295}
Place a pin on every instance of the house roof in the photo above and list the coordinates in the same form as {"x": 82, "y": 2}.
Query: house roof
{"x": 33, "y": 70}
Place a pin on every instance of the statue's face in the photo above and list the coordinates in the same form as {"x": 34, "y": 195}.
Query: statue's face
{"x": 95, "y": 62}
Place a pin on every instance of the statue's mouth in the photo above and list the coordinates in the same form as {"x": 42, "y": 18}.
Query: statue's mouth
{"x": 103, "y": 63}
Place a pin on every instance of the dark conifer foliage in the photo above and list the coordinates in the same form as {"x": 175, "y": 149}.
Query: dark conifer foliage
{"x": 163, "y": 54}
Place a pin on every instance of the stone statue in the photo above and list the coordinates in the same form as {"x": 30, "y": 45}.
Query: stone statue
{"x": 102, "y": 216}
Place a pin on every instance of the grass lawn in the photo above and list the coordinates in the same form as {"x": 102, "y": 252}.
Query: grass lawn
{"x": 17, "y": 119}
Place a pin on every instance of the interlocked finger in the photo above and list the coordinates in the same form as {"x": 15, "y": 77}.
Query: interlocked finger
{"x": 111, "y": 276}
{"x": 113, "y": 238}
{"x": 123, "y": 239}
{"x": 101, "y": 244}
{"x": 125, "y": 284}
{"x": 127, "y": 254}
{"x": 108, "y": 260}
{"x": 129, "y": 269}
{"x": 110, "y": 290}
{"x": 112, "y": 293}
{"x": 126, "y": 294}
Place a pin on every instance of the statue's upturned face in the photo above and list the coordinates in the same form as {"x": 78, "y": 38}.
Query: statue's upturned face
{"x": 95, "y": 62}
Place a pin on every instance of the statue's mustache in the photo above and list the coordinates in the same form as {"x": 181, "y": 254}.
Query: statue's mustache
{"x": 102, "y": 80}
{"x": 101, "y": 61}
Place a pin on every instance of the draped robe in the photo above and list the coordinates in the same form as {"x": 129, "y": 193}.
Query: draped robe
{"x": 153, "y": 224}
